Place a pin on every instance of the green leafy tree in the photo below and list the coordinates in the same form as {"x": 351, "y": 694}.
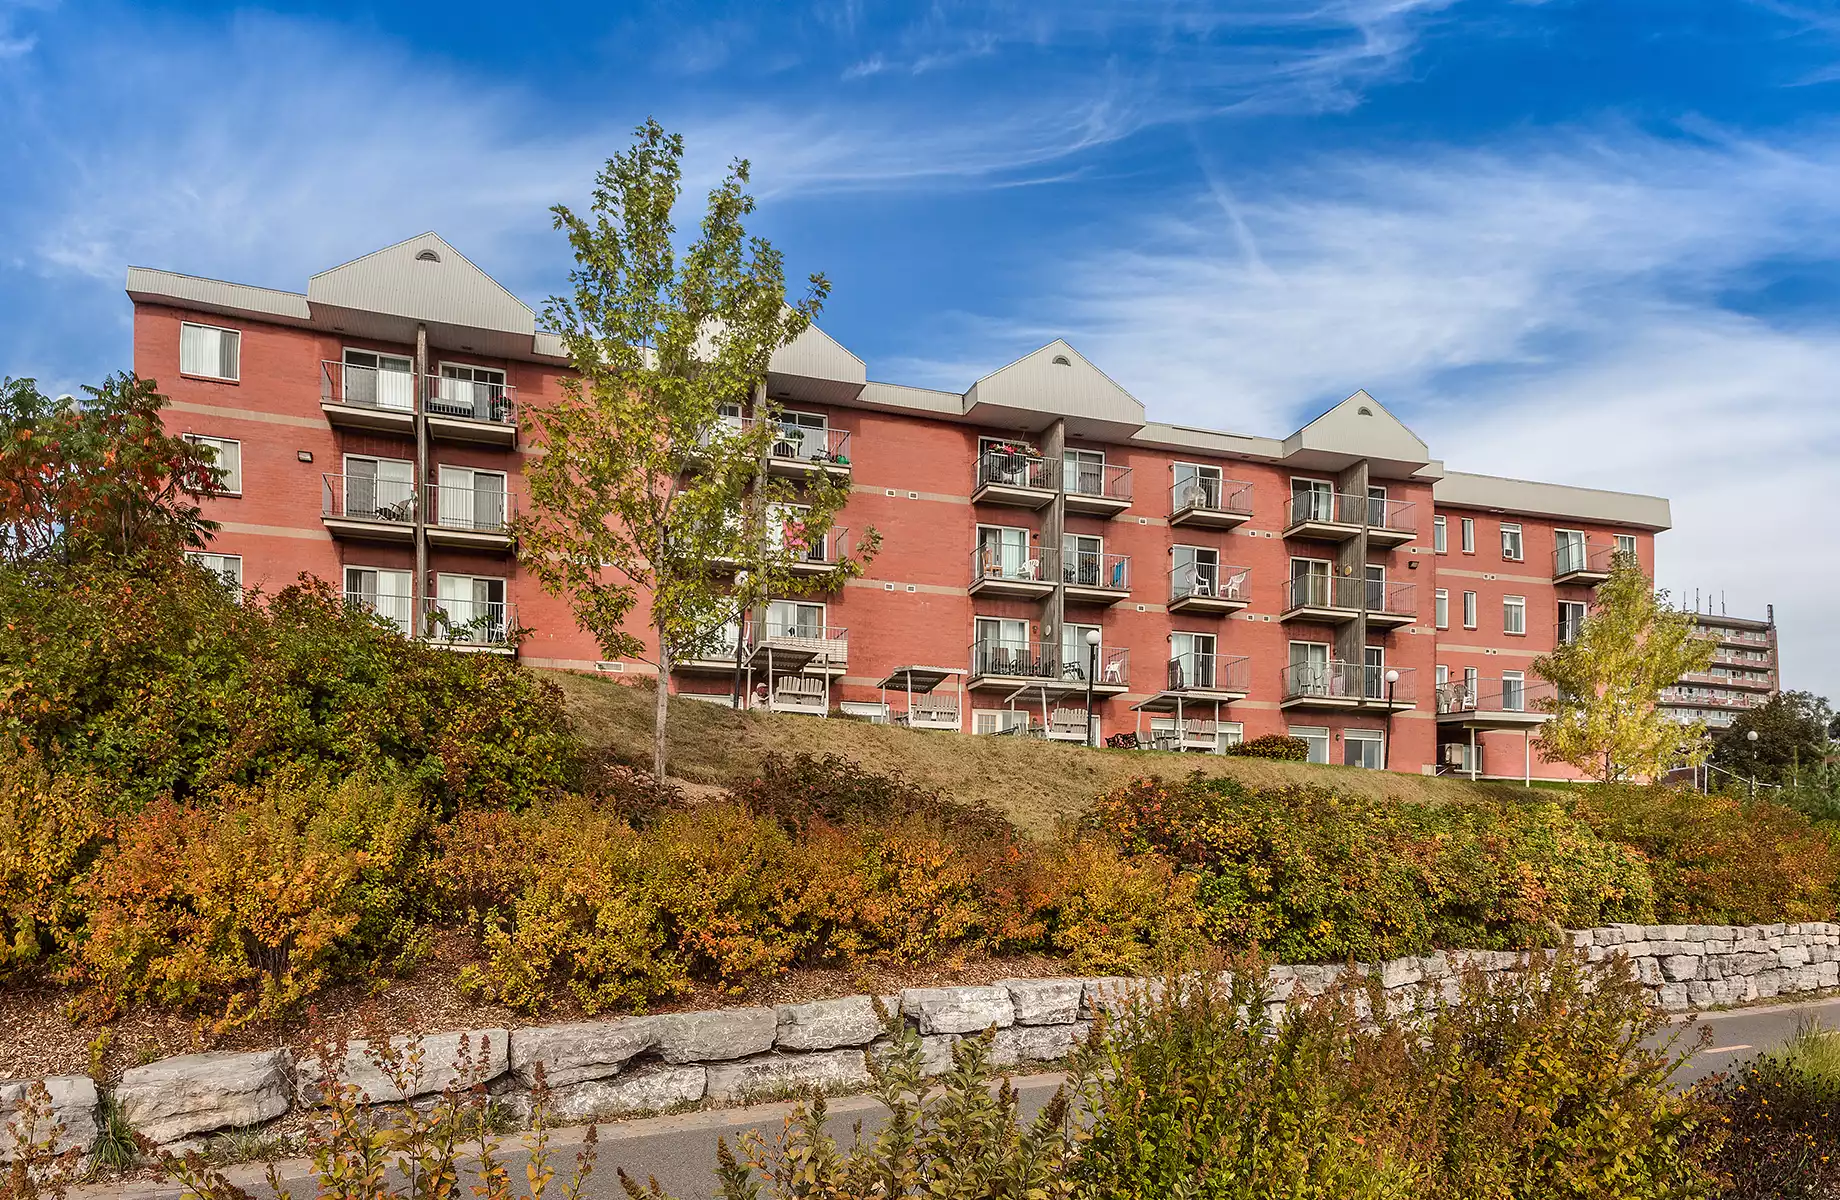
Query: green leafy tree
{"x": 1791, "y": 730}
{"x": 99, "y": 477}
{"x": 645, "y": 486}
{"x": 1604, "y": 720}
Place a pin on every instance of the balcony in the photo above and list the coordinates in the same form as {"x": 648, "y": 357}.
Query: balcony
{"x": 1209, "y": 588}
{"x": 1011, "y": 571}
{"x": 1391, "y": 605}
{"x": 476, "y": 625}
{"x": 391, "y": 608}
{"x": 472, "y": 410}
{"x": 1093, "y": 577}
{"x": 366, "y": 508}
{"x": 1585, "y": 562}
{"x": 1013, "y": 478}
{"x": 1341, "y": 516}
{"x": 1096, "y": 490}
{"x": 1039, "y": 667}
{"x": 798, "y": 649}
{"x": 1494, "y": 703}
{"x": 1207, "y": 503}
{"x": 469, "y": 518}
{"x": 370, "y": 399}
{"x": 802, "y": 451}
{"x": 1753, "y": 681}
{"x": 815, "y": 553}
{"x": 927, "y": 707}
{"x": 1329, "y": 599}
{"x": 1195, "y": 681}
{"x": 1337, "y": 684}
{"x": 716, "y": 653}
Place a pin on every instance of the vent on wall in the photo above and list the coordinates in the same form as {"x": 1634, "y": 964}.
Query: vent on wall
{"x": 427, "y": 256}
{"x": 1061, "y": 360}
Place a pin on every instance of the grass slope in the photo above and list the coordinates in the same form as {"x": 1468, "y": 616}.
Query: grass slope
{"x": 1035, "y": 782}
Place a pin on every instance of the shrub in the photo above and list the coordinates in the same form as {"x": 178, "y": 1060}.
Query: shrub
{"x": 248, "y": 905}
{"x": 1312, "y": 876}
{"x": 1778, "y": 1121}
{"x": 1273, "y": 745}
{"x": 156, "y": 680}
{"x": 799, "y": 789}
{"x": 50, "y": 829}
{"x": 1108, "y": 914}
{"x": 1718, "y": 859}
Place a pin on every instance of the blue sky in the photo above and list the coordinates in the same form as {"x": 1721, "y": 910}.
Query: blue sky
{"x": 1578, "y": 240}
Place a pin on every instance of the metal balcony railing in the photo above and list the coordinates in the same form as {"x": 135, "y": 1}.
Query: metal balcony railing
{"x": 1103, "y": 480}
{"x": 1094, "y": 569}
{"x": 1210, "y": 581}
{"x": 392, "y": 608}
{"x": 1348, "y": 508}
{"x": 367, "y": 498}
{"x": 805, "y": 443}
{"x": 1571, "y": 558}
{"x": 1338, "y": 680}
{"x": 1030, "y": 564}
{"x": 1019, "y": 659}
{"x": 1394, "y": 599}
{"x": 1400, "y": 516}
{"x": 366, "y": 387}
{"x": 1324, "y": 591}
{"x": 1195, "y": 671}
{"x": 812, "y": 547}
{"x": 1006, "y": 469}
{"x": 472, "y": 399}
{"x": 1489, "y": 694}
{"x": 470, "y": 622}
{"x": 476, "y": 509}
{"x": 1204, "y": 493}
{"x": 827, "y": 643}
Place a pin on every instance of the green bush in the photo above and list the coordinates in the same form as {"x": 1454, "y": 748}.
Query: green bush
{"x": 50, "y": 830}
{"x": 1312, "y": 876}
{"x": 1275, "y": 746}
{"x": 155, "y": 680}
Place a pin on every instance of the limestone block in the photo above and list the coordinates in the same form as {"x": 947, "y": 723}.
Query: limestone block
{"x": 576, "y": 1053}
{"x": 959, "y": 1009}
{"x": 1045, "y": 1001}
{"x": 721, "y": 1035}
{"x": 458, "y": 1059}
{"x": 828, "y": 1024}
{"x": 826, "y": 1070}
{"x": 73, "y": 1105}
{"x": 1680, "y": 967}
{"x": 196, "y": 1093}
{"x": 1035, "y": 1043}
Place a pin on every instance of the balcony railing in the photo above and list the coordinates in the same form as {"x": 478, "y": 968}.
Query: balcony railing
{"x": 1094, "y": 569}
{"x": 827, "y": 642}
{"x": 1494, "y": 694}
{"x": 809, "y": 444}
{"x": 1206, "y": 494}
{"x": 367, "y": 387}
{"x": 1002, "y": 657}
{"x": 811, "y": 548}
{"x": 1338, "y": 680}
{"x": 470, "y": 622}
{"x": 1103, "y": 481}
{"x": 1392, "y": 599}
{"x": 1394, "y": 517}
{"x": 476, "y": 509}
{"x": 1195, "y": 671}
{"x": 1210, "y": 581}
{"x": 472, "y": 400}
{"x": 1324, "y": 591}
{"x": 1582, "y": 558}
{"x": 1021, "y": 564}
{"x": 392, "y": 608}
{"x": 367, "y": 498}
{"x": 1004, "y": 469}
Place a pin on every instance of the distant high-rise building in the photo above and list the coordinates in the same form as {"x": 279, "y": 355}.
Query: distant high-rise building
{"x": 1743, "y": 673}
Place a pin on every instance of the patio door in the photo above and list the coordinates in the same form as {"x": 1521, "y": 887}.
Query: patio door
{"x": 1082, "y": 559}
{"x": 1376, "y": 588}
{"x": 790, "y": 618}
{"x": 1309, "y": 669}
{"x": 1197, "y": 486}
{"x": 802, "y": 435}
{"x": 1373, "y": 672}
{"x": 1083, "y": 472}
{"x": 471, "y": 499}
{"x": 1191, "y": 660}
{"x": 474, "y": 605}
{"x": 381, "y": 591}
{"x": 1002, "y": 646}
{"x": 378, "y": 380}
{"x": 1003, "y": 552}
{"x": 1310, "y": 583}
{"x": 1569, "y": 544}
{"x": 1074, "y": 650}
{"x": 1197, "y": 571}
{"x": 1312, "y": 500}
{"x": 379, "y": 487}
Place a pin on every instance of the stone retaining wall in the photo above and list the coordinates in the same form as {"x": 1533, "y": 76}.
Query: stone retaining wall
{"x": 598, "y": 1070}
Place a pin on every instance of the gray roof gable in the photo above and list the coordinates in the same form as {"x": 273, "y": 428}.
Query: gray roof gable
{"x": 423, "y": 278}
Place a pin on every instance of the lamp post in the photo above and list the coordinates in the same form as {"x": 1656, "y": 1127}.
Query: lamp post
{"x": 1092, "y": 674}
{"x": 1751, "y": 737}
{"x": 1386, "y": 747}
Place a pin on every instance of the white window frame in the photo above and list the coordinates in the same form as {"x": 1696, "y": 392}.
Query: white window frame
{"x": 1510, "y": 607}
{"x": 1228, "y": 733}
{"x": 1470, "y": 610}
{"x": 471, "y": 487}
{"x": 1469, "y": 535}
{"x": 405, "y": 596}
{"x": 999, "y": 719}
{"x": 1440, "y": 535}
{"x": 227, "y": 567}
{"x": 1512, "y": 529}
{"x": 221, "y": 331}
{"x": 1440, "y": 608}
{"x": 803, "y": 450}
{"x": 233, "y": 483}
{"x": 824, "y": 615}
{"x": 1442, "y": 674}
{"x": 1312, "y": 734}
{"x": 1625, "y": 543}
{"x": 1519, "y": 680}
{"x": 1364, "y": 737}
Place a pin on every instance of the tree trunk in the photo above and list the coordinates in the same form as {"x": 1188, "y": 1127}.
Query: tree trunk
{"x": 662, "y": 709}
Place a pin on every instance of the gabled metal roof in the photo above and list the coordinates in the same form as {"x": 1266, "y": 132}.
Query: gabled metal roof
{"x": 1055, "y": 381}
{"x": 1359, "y": 427}
{"x": 424, "y": 279}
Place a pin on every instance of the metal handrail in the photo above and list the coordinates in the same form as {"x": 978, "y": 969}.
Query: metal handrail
{"x": 1337, "y": 679}
{"x": 1107, "y": 480}
{"x": 1211, "y": 580}
{"x": 1013, "y": 470}
{"x": 1095, "y": 569}
{"x": 1494, "y": 694}
{"x": 1031, "y": 563}
{"x": 1194, "y": 670}
{"x": 481, "y": 510}
{"x": 827, "y": 548}
{"x": 367, "y": 498}
{"x": 1323, "y": 591}
{"x": 469, "y": 622}
{"x": 395, "y": 609}
{"x": 1021, "y": 659}
{"x": 1400, "y": 599}
{"x": 472, "y": 399}
{"x": 1571, "y": 557}
{"x": 1207, "y": 494}
{"x": 366, "y": 387}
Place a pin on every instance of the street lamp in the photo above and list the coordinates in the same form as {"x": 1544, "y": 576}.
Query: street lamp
{"x": 1751, "y": 737}
{"x": 1092, "y": 674}
{"x": 1386, "y": 747}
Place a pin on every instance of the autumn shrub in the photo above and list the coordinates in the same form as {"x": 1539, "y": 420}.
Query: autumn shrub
{"x": 1277, "y": 746}
{"x": 245, "y": 906}
{"x": 1313, "y": 876}
{"x": 152, "y": 677}
{"x": 1777, "y": 1127}
{"x": 50, "y": 830}
{"x": 1720, "y": 859}
{"x": 798, "y": 789}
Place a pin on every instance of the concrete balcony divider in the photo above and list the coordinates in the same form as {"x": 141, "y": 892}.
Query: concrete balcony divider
{"x": 630, "y": 1066}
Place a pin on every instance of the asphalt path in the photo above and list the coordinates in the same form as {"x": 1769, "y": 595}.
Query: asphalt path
{"x": 679, "y": 1151}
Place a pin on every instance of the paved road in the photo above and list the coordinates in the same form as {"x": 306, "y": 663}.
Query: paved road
{"x": 680, "y": 1150}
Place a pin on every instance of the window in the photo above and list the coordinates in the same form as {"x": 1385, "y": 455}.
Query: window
{"x": 1571, "y": 619}
{"x": 1373, "y": 672}
{"x": 1469, "y": 680}
{"x": 227, "y": 567}
{"x": 1514, "y": 614}
{"x": 1441, "y": 608}
{"x": 1197, "y": 486}
{"x": 1363, "y": 748}
{"x": 1376, "y": 507}
{"x": 1309, "y": 673}
{"x": 1469, "y": 535}
{"x": 1083, "y": 562}
{"x": 1310, "y": 583}
{"x": 803, "y": 435}
{"x": 1443, "y": 674}
{"x": 379, "y": 489}
{"x": 1228, "y": 733}
{"x": 1626, "y": 544}
{"x": 1004, "y": 553}
{"x": 1510, "y": 542}
{"x": 1191, "y": 660}
{"x": 373, "y": 380}
{"x": 1312, "y": 500}
{"x": 227, "y": 456}
{"x": 475, "y": 393}
{"x": 792, "y": 618}
{"x": 998, "y": 720}
{"x": 1196, "y": 572}
{"x": 1568, "y": 551}
{"x": 1376, "y": 587}
{"x": 1316, "y": 737}
{"x": 384, "y": 592}
{"x": 471, "y": 609}
{"x": 1083, "y": 472}
{"x": 1469, "y": 610}
{"x": 1513, "y": 691}
{"x": 1002, "y": 647}
{"x": 1440, "y": 535}
{"x": 209, "y": 351}
{"x": 1074, "y": 650}
{"x": 469, "y": 499}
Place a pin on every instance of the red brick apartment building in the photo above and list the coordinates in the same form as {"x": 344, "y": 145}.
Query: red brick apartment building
{"x": 1337, "y": 584}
